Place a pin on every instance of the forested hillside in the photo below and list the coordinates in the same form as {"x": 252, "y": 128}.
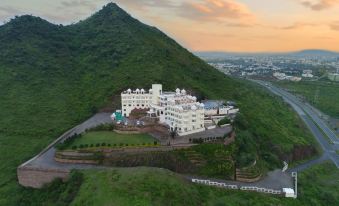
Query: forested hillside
{"x": 53, "y": 77}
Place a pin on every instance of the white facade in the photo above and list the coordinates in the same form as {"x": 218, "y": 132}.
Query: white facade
{"x": 181, "y": 112}
{"x": 289, "y": 192}
{"x": 139, "y": 99}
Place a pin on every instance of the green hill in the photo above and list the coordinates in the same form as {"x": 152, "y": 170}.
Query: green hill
{"x": 53, "y": 77}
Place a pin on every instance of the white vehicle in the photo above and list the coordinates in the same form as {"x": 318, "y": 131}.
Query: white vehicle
{"x": 138, "y": 123}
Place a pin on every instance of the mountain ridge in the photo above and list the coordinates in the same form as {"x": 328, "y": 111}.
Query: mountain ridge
{"x": 53, "y": 77}
{"x": 301, "y": 53}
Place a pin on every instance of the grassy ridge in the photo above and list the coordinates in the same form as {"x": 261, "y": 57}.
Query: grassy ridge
{"x": 53, "y": 77}
{"x": 147, "y": 186}
{"x": 323, "y": 95}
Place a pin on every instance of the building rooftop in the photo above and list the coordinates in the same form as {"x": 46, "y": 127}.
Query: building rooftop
{"x": 211, "y": 104}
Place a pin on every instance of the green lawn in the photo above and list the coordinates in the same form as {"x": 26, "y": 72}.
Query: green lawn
{"x": 112, "y": 138}
{"x": 323, "y": 95}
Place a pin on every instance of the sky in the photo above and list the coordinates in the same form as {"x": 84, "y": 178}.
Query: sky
{"x": 211, "y": 25}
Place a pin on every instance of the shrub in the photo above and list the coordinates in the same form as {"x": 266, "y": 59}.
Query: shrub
{"x": 86, "y": 146}
{"x": 91, "y": 145}
{"x": 156, "y": 143}
{"x": 126, "y": 145}
{"x": 103, "y": 127}
{"x": 224, "y": 121}
{"x": 74, "y": 147}
{"x": 121, "y": 144}
{"x": 114, "y": 145}
{"x": 97, "y": 145}
{"x": 198, "y": 141}
{"x": 81, "y": 146}
{"x": 108, "y": 145}
{"x": 103, "y": 144}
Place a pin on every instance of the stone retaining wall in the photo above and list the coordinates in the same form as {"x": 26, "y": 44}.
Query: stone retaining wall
{"x": 76, "y": 161}
{"x": 38, "y": 177}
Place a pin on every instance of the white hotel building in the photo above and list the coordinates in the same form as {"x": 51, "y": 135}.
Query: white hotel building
{"x": 181, "y": 112}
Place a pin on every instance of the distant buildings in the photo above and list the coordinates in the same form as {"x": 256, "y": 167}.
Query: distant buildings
{"x": 283, "y": 76}
{"x": 334, "y": 76}
{"x": 307, "y": 73}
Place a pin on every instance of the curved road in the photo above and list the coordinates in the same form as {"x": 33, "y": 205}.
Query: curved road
{"x": 327, "y": 139}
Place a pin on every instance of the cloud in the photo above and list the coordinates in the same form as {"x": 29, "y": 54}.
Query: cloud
{"x": 215, "y": 10}
{"x": 299, "y": 25}
{"x": 320, "y": 4}
{"x": 334, "y": 26}
{"x": 7, "y": 12}
{"x": 202, "y": 10}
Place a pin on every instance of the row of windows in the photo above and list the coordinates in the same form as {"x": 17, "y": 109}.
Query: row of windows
{"x": 193, "y": 128}
{"x": 137, "y": 105}
{"x": 136, "y": 97}
{"x": 138, "y": 101}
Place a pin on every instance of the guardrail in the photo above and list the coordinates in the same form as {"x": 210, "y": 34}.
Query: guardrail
{"x": 236, "y": 187}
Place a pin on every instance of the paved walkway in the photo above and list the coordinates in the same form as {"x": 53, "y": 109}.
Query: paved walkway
{"x": 46, "y": 158}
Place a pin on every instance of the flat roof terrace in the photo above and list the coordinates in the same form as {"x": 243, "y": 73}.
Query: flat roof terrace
{"x": 217, "y": 132}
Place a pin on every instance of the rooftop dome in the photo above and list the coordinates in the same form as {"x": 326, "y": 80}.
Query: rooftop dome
{"x": 129, "y": 90}
{"x": 183, "y": 91}
{"x": 177, "y": 91}
{"x": 194, "y": 107}
{"x": 142, "y": 90}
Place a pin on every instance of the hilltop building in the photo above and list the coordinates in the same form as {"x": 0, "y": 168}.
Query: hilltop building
{"x": 180, "y": 111}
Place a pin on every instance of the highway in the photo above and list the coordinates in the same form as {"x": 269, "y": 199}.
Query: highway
{"x": 327, "y": 139}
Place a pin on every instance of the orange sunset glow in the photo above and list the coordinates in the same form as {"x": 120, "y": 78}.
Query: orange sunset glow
{"x": 214, "y": 25}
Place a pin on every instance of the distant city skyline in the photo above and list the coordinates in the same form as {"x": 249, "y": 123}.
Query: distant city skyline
{"x": 211, "y": 25}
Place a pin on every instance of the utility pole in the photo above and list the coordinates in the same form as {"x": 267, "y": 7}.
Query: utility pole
{"x": 316, "y": 95}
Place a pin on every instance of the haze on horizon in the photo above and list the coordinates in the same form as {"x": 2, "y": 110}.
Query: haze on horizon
{"x": 211, "y": 25}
